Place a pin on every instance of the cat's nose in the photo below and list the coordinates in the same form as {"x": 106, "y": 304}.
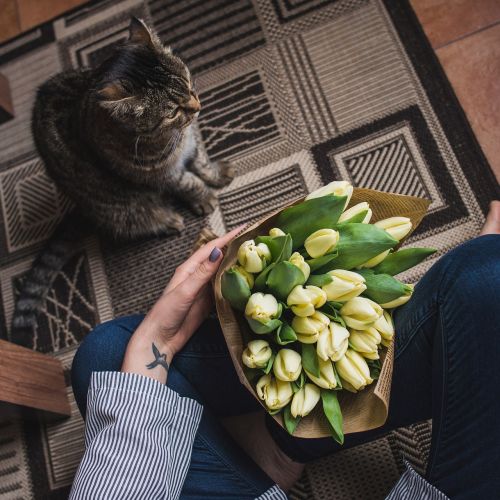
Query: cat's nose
{"x": 193, "y": 105}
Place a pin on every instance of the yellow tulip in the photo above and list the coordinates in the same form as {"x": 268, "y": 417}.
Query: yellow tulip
{"x": 332, "y": 342}
{"x": 385, "y": 326}
{"x": 397, "y": 227}
{"x": 305, "y": 300}
{"x": 400, "y": 300}
{"x": 308, "y": 328}
{"x": 345, "y": 285}
{"x": 321, "y": 242}
{"x": 246, "y": 275}
{"x": 275, "y": 232}
{"x": 262, "y": 306}
{"x": 287, "y": 365}
{"x": 304, "y": 400}
{"x": 353, "y": 369}
{"x": 365, "y": 342}
{"x": 355, "y": 210}
{"x": 337, "y": 188}
{"x": 326, "y": 379}
{"x": 298, "y": 261}
{"x": 275, "y": 393}
{"x": 254, "y": 258}
{"x": 360, "y": 312}
{"x": 257, "y": 354}
{"x": 374, "y": 261}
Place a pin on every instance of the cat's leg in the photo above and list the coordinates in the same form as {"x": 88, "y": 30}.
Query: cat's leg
{"x": 213, "y": 173}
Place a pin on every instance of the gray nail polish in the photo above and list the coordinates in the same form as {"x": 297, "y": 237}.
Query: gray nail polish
{"x": 214, "y": 254}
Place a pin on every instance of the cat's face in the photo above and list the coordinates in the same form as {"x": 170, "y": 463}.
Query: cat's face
{"x": 146, "y": 87}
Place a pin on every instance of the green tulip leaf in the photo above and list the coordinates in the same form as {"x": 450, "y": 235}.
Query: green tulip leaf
{"x": 323, "y": 261}
{"x": 356, "y": 218}
{"x": 310, "y": 359}
{"x": 289, "y": 420}
{"x": 357, "y": 244}
{"x": 303, "y": 219}
{"x": 269, "y": 365}
{"x": 299, "y": 383}
{"x": 235, "y": 289}
{"x": 402, "y": 260}
{"x": 337, "y": 378}
{"x": 331, "y": 309}
{"x": 262, "y": 327}
{"x": 285, "y": 334}
{"x": 319, "y": 279}
{"x": 283, "y": 278}
{"x": 375, "y": 367}
{"x": 279, "y": 246}
{"x": 333, "y": 414}
{"x": 382, "y": 288}
{"x": 260, "y": 281}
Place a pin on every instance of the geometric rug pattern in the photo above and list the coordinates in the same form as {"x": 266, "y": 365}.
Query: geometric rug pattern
{"x": 295, "y": 93}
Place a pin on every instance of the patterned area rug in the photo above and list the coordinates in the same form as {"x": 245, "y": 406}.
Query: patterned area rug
{"x": 296, "y": 93}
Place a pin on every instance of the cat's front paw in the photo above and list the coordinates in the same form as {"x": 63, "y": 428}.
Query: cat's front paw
{"x": 225, "y": 173}
{"x": 205, "y": 205}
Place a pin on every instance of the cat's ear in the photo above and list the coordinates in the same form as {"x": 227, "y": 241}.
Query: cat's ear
{"x": 139, "y": 33}
{"x": 112, "y": 92}
{"x": 113, "y": 97}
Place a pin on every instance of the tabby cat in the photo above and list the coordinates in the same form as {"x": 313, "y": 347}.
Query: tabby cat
{"x": 119, "y": 141}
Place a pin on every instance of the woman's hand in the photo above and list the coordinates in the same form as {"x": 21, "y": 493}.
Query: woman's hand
{"x": 183, "y": 306}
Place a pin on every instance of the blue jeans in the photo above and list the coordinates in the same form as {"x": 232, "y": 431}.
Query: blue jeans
{"x": 447, "y": 355}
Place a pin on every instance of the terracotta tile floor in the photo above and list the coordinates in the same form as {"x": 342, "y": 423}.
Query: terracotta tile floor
{"x": 464, "y": 33}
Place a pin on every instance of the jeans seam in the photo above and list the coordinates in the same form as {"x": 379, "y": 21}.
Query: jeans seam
{"x": 241, "y": 477}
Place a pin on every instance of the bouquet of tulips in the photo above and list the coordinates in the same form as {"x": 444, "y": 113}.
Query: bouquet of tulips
{"x": 317, "y": 292}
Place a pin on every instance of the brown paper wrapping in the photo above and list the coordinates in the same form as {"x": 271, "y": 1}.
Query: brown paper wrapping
{"x": 362, "y": 411}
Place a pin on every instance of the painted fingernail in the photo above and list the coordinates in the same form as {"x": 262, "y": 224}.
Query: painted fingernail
{"x": 214, "y": 254}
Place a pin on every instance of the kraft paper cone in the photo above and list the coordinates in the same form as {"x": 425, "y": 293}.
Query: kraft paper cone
{"x": 362, "y": 411}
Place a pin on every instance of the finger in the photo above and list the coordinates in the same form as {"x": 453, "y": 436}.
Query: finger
{"x": 186, "y": 292}
{"x": 189, "y": 266}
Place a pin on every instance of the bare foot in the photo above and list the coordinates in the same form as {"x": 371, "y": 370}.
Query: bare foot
{"x": 251, "y": 433}
{"x": 492, "y": 224}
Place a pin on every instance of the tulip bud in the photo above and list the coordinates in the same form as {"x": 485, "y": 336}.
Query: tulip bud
{"x": 353, "y": 368}
{"x": 374, "y": 261}
{"x": 360, "y": 312}
{"x": 332, "y": 342}
{"x": 254, "y": 258}
{"x": 356, "y": 210}
{"x": 397, "y": 227}
{"x": 275, "y": 232}
{"x": 275, "y": 393}
{"x": 321, "y": 242}
{"x": 337, "y": 188}
{"x": 298, "y": 261}
{"x": 257, "y": 354}
{"x": 385, "y": 326}
{"x": 287, "y": 365}
{"x": 345, "y": 285}
{"x": 326, "y": 379}
{"x": 305, "y": 300}
{"x": 262, "y": 306}
{"x": 307, "y": 329}
{"x": 400, "y": 300}
{"x": 304, "y": 400}
{"x": 365, "y": 342}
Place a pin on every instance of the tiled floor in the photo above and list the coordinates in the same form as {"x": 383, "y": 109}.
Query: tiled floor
{"x": 464, "y": 33}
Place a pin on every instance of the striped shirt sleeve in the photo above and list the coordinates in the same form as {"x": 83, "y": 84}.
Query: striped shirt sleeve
{"x": 412, "y": 486}
{"x": 139, "y": 436}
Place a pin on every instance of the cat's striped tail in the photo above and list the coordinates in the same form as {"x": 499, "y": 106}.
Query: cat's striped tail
{"x": 33, "y": 288}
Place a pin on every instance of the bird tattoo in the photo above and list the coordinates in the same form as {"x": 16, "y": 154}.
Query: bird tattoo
{"x": 160, "y": 359}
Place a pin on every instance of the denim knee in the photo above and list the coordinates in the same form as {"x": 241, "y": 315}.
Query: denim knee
{"x": 102, "y": 349}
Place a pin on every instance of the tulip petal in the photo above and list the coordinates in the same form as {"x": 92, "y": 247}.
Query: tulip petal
{"x": 333, "y": 413}
{"x": 303, "y": 219}
{"x": 358, "y": 218}
{"x": 402, "y": 260}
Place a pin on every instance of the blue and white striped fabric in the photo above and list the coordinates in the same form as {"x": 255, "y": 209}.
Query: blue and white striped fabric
{"x": 139, "y": 436}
